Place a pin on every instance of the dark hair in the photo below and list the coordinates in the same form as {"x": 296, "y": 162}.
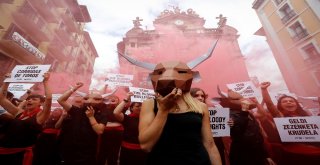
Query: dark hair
{"x": 9, "y": 95}
{"x": 193, "y": 92}
{"x": 16, "y": 101}
{"x": 42, "y": 99}
{"x": 299, "y": 111}
{"x": 133, "y": 103}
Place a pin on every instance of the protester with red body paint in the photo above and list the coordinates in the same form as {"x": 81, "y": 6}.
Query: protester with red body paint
{"x": 21, "y": 133}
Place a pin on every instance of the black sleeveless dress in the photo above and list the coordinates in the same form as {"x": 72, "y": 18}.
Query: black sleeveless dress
{"x": 180, "y": 142}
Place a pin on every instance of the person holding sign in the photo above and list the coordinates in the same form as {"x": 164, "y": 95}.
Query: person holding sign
{"x": 130, "y": 153}
{"x": 287, "y": 106}
{"x": 22, "y": 132}
{"x": 247, "y": 146}
{"x": 80, "y": 129}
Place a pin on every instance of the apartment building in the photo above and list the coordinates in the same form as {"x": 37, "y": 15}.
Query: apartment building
{"x": 47, "y": 32}
{"x": 292, "y": 29}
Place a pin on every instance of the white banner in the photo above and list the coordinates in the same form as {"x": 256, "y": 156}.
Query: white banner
{"x": 246, "y": 89}
{"x": 299, "y": 129}
{"x": 19, "y": 89}
{"x": 27, "y": 46}
{"x": 55, "y": 97}
{"x": 218, "y": 121}
{"x": 141, "y": 94}
{"x": 28, "y": 73}
{"x": 119, "y": 80}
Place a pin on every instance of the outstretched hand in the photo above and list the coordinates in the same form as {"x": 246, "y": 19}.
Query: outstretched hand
{"x": 129, "y": 94}
{"x": 167, "y": 102}
{"x": 46, "y": 76}
{"x": 78, "y": 85}
{"x": 90, "y": 111}
{"x": 265, "y": 85}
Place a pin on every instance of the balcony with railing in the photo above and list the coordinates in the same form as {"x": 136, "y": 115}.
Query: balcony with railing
{"x": 70, "y": 22}
{"x": 59, "y": 50}
{"x": 44, "y": 9}
{"x": 30, "y": 21}
{"x": 21, "y": 49}
{"x": 59, "y": 3}
{"x": 287, "y": 17}
{"x": 302, "y": 34}
{"x": 66, "y": 37}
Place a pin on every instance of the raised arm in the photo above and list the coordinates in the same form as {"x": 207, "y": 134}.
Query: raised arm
{"x": 62, "y": 100}
{"x": 60, "y": 120}
{"x": 4, "y": 102}
{"x": 207, "y": 139}
{"x": 267, "y": 99}
{"x": 261, "y": 113}
{"x": 45, "y": 113}
{"x": 118, "y": 110}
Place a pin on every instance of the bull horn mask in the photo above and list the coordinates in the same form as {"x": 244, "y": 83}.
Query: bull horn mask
{"x": 166, "y": 76}
{"x": 103, "y": 95}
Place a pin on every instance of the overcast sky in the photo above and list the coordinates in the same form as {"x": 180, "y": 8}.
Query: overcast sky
{"x": 111, "y": 19}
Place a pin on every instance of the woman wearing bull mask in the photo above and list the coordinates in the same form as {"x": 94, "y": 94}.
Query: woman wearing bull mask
{"x": 177, "y": 130}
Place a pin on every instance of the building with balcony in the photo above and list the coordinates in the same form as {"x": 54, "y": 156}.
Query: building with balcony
{"x": 292, "y": 29}
{"x": 181, "y": 36}
{"x": 47, "y": 32}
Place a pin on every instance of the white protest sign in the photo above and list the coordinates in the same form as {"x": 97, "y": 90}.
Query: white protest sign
{"x": 55, "y": 97}
{"x": 119, "y": 80}
{"x": 218, "y": 121}
{"x": 141, "y": 94}
{"x": 299, "y": 129}
{"x": 245, "y": 89}
{"x": 28, "y": 73}
{"x": 19, "y": 89}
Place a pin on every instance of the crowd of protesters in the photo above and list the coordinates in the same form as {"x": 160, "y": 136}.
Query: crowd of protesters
{"x": 97, "y": 129}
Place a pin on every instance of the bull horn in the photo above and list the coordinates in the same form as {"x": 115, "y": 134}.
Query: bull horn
{"x": 81, "y": 93}
{"x": 78, "y": 92}
{"x": 145, "y": 65}
{"x": 108, "y": 94}
{"x": 192, "y": 64}
{"x": 222, "y": 94}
